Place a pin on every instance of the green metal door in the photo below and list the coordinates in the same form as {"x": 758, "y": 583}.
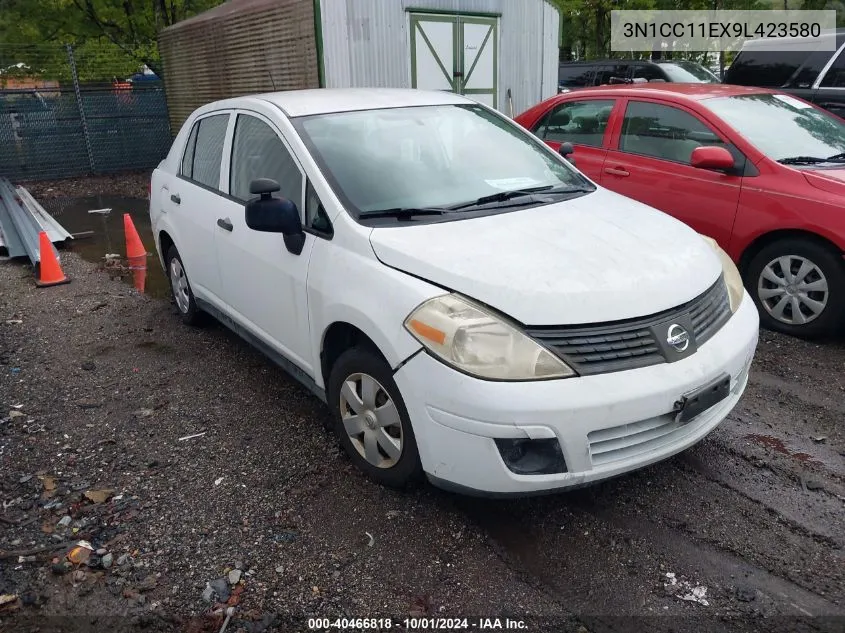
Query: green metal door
{"x": 455, "y": 53}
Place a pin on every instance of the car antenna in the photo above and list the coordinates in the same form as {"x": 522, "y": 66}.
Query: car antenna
{"x": 273, "y": 83}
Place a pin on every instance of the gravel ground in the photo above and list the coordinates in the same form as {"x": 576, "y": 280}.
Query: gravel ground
{"x": 99, "y": 385}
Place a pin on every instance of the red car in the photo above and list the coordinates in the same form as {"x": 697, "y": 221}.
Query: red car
{"x": 761, "y": 172}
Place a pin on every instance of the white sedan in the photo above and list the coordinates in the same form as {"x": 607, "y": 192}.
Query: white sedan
{"x": 469, "y": 305}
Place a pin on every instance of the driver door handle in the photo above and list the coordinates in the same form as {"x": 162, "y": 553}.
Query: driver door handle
{"x": 617, "y": 171}
{"x": 225, "y": 223}
{"x": 174, "y": 197}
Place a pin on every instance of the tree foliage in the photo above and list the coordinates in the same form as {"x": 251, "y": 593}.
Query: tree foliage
{"x": 110, "y": 37}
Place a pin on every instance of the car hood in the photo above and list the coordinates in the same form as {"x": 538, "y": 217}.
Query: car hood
{"x": 830, "y": 180}
{"x": 600, "y": 257}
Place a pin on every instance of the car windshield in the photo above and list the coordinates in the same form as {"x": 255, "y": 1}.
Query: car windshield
{"x": 429, "y": 157}
{"x": 684, "y": 72}
{"x": 781, "y": 126}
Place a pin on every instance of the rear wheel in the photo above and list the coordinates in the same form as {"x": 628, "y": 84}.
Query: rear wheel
{"x": 799, "y": 287}
{"x": 371, "y": 420}
{"x": 181, "y": 289}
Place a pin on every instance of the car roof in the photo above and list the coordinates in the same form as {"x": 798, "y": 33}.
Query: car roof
{"x": 296, "y": 103}
{"x": 594, "y": 62}
{"x": 679, "y": 91}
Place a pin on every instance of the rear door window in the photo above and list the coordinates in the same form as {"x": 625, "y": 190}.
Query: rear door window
{"x": 648, "y": 72}
{"x": 575, "y": 76}
{"x": 611, "y": 71}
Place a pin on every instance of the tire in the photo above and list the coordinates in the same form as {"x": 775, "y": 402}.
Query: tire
{"x": 182, "y": 295}
{"x": 387, "y": 466}
{"x": 822, "y": 307}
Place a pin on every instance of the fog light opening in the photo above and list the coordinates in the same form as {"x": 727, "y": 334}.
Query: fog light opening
{"x": 532, "y": 457}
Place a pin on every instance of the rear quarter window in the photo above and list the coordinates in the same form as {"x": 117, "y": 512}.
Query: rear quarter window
{"x": 188, "y": 157}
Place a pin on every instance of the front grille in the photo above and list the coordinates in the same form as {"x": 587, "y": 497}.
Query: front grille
{"x": 619, "y": 345}
{"x": 624, "y": 441}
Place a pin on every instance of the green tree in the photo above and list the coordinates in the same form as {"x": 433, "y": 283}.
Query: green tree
{"x": 110, "y": 34}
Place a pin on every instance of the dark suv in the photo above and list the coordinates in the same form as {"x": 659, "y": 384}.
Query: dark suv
{"x": 817, "y": 76}
{"x": 573, "y": 75}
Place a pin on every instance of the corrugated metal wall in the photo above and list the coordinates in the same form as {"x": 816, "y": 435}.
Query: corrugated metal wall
{"x": 366, "y": 44}
{"x": 241, "y": 47}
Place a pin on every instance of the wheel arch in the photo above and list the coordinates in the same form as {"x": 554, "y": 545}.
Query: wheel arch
{"x": 165, "y": 241}
{"x": 343, "y": 334}
{"x": 763, "y": 240}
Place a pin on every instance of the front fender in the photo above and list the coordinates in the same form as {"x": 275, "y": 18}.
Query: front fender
{"x": 349, "y": 285}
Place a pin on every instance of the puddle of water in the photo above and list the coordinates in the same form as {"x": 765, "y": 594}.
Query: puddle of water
{"x": 107, "y": 237}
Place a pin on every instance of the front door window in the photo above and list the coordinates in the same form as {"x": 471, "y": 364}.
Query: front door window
{"x": 258, "y": 152}
{"x": 578, "y": 122}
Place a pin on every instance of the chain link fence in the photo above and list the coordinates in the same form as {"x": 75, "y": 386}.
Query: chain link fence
{"x": 67, "y": 113}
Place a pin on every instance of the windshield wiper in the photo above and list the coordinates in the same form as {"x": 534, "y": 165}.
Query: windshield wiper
{"x": 504, "y": 196}
{"x": 801, "y": 160}
{"x": 812, "y": 160}
{"x": 404, "y": 212}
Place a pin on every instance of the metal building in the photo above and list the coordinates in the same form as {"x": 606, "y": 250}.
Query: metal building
{"x": 501, "y": 52}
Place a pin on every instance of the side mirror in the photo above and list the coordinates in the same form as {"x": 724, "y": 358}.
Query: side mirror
{"x": 715, "y": 158}
{"x": 261, "y": 186}
{"x": 274, "y": 215}
{"x": 566, "y": 150}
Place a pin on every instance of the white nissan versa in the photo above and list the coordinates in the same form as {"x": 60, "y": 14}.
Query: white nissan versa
{"x": 469, "y": 305}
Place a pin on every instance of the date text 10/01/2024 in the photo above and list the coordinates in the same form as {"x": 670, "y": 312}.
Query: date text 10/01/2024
{"x": 416, "y": 624}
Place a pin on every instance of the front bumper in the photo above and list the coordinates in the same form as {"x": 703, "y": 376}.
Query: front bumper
{"x": 606, "y": 424}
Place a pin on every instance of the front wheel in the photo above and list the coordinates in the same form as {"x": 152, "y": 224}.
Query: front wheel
{"x": 799, "y": 287}
{"x": 371, "y": 420}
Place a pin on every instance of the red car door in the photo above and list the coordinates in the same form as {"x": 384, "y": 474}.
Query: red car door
{"x": 585, "y": 124}
{"x": 649, "y": 161}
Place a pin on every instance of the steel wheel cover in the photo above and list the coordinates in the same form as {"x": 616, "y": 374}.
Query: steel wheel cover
{"x": 371, "y": 420}
{"x": 793, "y": 290}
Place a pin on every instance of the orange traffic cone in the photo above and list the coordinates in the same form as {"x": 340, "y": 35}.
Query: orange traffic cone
{"x": 49, "y": 272}
{"x": 134, "y": 246}
{"x": 138, "y": 266}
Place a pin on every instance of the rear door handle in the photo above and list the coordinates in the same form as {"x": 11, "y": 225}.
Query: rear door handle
{"x": 617, "y": 171}
{"x": 225, "y": 223}
{"x": 174, "y": 197}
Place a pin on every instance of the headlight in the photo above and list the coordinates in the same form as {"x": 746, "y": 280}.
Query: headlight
{"x": 470, "y": 338}
{"x": 733, "y": 280}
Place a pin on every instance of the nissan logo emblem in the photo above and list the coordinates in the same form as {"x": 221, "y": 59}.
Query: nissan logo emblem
{"x": 677, "y": 337}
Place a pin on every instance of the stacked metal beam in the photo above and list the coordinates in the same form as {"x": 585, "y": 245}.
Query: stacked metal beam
{"x": 21, "y": 220}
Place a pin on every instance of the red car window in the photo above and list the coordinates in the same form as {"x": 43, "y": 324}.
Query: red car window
{"x": 578, "y": 122}
{"x": 662, "y": 131}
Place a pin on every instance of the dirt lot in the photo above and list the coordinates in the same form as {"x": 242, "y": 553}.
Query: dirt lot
{"x": 99, "y": 385}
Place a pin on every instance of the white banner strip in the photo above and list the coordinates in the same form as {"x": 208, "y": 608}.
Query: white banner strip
{"x": 650, "y": 30}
